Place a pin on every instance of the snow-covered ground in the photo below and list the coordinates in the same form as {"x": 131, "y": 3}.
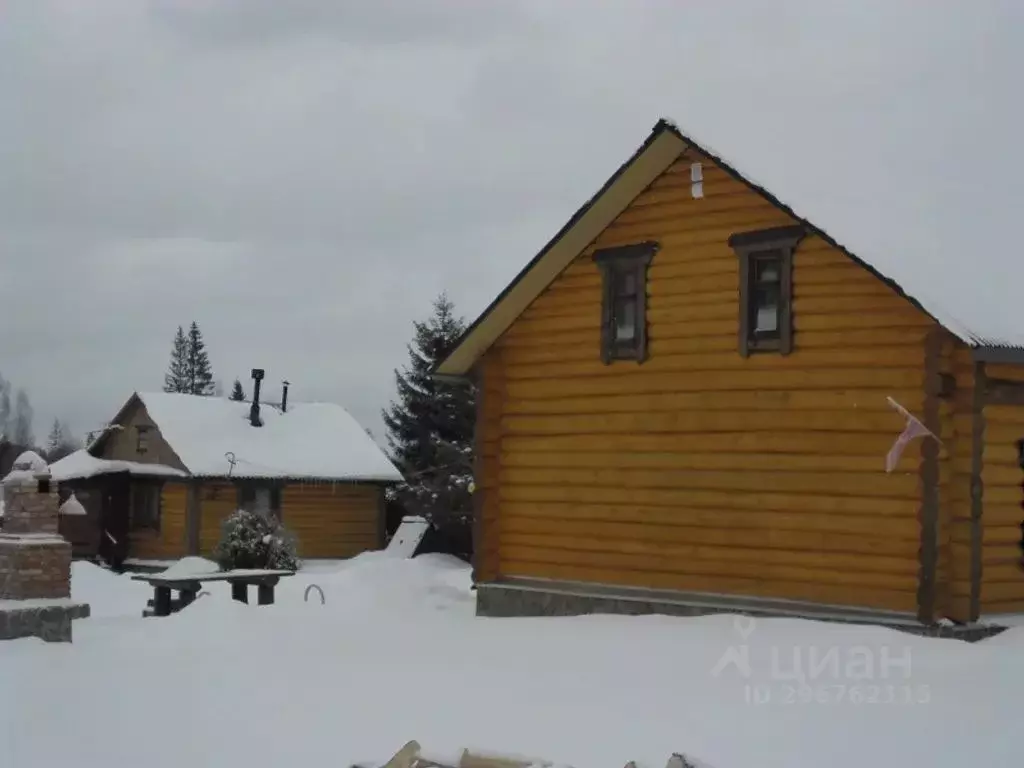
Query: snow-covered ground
{"x": 397, "y": 653}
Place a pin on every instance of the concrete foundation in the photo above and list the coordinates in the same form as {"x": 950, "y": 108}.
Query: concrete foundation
{"x": 536, "y": 597}
{"x": 49, "y": 620}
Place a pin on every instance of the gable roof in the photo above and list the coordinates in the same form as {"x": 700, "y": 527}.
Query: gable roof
{"x": 911, "y": 260}
{"x": 319, "y": 441}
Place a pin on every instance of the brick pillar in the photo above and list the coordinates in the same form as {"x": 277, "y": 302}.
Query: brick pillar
{"x": 31, "y": 503}
{"x": 35, "y": 561}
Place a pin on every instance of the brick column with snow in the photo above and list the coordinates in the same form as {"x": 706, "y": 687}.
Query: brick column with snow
{"x": 35, "y": 560}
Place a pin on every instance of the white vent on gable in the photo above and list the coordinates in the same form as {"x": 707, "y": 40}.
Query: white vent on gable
{"x": 696, "y": 180}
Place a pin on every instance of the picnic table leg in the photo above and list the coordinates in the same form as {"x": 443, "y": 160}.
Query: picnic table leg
{"x": 161, "y": 601}
{"x": 265, "y": 594}
{"x": 240, "y": 592}
{"x": 186, "y": 597}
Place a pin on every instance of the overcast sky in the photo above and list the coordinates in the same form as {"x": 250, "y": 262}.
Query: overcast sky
{"x": 302, "y": 178}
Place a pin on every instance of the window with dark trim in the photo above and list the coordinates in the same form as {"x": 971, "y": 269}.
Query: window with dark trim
{"x": 263, "y": 496}
{"x": 141, "y": 439}
{"x": 766, "y": 288}
{"x": 145, "y": 507}
{"x": 624, "y": 300}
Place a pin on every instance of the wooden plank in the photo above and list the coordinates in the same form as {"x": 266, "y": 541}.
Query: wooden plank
{"x": 733, "y": 220}
{"x": 869, "y": 445}
{"x": 612, "y": 424}
{"x": 646, "y": 381}
{"x": 739, "y": 462}
{"x": 897, "y": 357}
{"x": 977, "y": 489}
{"x": 647, "y": 562}
{"x": 929, "y": 476}
{"x": 731, "y": 551}
{"x": 825, "y": 503}
{"x": 193, "y": 518}
{"x": 711, "y": 524}
{"x": 480, "y": 491}
{"x": 859, "y": 400}
{"x": 890, "y": 319}
{"x": 1004, "y": 392}
{"x": 1005, "y": 371}
{"x": 839, "y": 484}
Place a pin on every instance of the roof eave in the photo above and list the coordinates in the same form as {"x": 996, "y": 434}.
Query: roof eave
{"x": 661, "y": 148}
{"x": 486, "y": 329}
{"x": 368, "y": 479}
{"x": 993, "y": 353}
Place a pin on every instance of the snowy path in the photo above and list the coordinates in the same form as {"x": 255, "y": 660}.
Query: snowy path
{"x": 397, "y": 654}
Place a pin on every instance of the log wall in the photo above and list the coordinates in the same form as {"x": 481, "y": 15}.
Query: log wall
{"x": 701, "y": 470}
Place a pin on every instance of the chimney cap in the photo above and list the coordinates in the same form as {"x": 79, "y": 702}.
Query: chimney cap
{"x": 257, "y": 374}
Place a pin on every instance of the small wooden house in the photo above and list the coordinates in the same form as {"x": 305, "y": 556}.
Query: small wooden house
{"x": 161, "y": 478}
{"x": 683, "y": 407}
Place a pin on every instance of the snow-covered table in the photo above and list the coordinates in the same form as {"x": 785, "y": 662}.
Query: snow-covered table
{"x": 188, "y": 586}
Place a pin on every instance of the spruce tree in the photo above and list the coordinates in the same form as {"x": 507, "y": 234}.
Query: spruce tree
{"x": 199, "y": 373}
{"x": 237, "y": 393}
{"x": 60, "y": 441}
{"x": 55, "y": 439}
{"x": 5, "y": 409}
{"x": 176, "y": 378}
{"x": 430, "y": 433}
{"x": 21, "y": 426}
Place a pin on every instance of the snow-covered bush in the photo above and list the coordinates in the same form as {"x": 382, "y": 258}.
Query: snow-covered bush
{"x": 255, "y": 539}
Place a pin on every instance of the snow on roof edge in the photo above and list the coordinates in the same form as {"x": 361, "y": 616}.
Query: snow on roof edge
{"x": 81, "y": 465}
{"x": 311, "y": 441}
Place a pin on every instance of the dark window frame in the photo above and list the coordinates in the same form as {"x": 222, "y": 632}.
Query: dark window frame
{"x": 777, "y": 244}
{"x": 142, "y": 433}
{"x": 617, "y": 266}
{"x": 247, "y": 490}
{"x": 156, "y": 498}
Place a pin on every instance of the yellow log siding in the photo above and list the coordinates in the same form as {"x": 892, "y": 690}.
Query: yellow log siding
{"x": 169, "y": 541}
{"x": 490, "y": 401}
{"x": 701, "y": 470}
{"x": 956, "y": 530}
{"x": 332, "y": 520}
{"x": 1002, "y": 586}
{"x": 217, "y": 500}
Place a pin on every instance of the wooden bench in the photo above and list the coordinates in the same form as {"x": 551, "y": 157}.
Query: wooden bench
{"x": 188, "y": 587}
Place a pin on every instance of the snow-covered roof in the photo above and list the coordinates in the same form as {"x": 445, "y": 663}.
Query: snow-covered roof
{"x": 81, "y": 464}
{"x": 309, "y": 440}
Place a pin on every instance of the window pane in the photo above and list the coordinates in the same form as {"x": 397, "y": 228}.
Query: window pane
{"x": 263, "y": 499}
{"x": 766, "y": 270}
{"x": 766, "y": 310}
{"x": 625, "y": 320}
{"x": 626, "y": 283}
{"x": 145, "y": 506}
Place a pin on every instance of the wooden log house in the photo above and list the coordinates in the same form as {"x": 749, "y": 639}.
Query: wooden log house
{"x": 158, "y": 483}
{"x": 683, "y": 408}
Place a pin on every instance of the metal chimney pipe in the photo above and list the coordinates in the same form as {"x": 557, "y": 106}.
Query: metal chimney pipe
{"x": 284, "y": 396}
{"x": 254, "y": 410}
